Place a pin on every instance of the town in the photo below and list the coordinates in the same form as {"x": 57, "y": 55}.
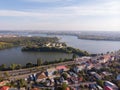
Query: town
{"x": 101, "y": 72}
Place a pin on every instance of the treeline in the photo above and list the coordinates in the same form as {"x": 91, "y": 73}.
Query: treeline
{"x": 55, "y": 49}
{"x": 17, "y": 41}
{"x": 98, "y": 37}
{"x": 39, "y": 62}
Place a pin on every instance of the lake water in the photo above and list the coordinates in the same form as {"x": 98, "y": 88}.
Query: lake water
{"x": 15, "y": 55}
{"x": 92, "y": 46}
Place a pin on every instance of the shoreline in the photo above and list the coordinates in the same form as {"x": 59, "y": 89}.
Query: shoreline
{"x": 87, "y": 38}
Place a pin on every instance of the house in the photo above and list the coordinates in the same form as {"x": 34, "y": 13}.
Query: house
{"x": 107, "y": 88}
{"x": 78, "y": 68}
{"x": 61, "y": 68}
{"x": 2, "y": 83}
{"x": 67, "y": 88}
{"x": 75, "y": 69}
{"x": 35, "y": 89}
{"x": 89, "y": 66}
{"x": 105, "y": 58}
{"x": 111, "y": 85}
{"x": 80, "y": 79}
{"x": 118, "y": 77}
{"x": 32, "y": 77}
{"x": 48, "y": 82}
{"x": 99, "y": 87}
{"x": 50, "y": 71}
{"x": 4, "y": 88}
{"x": 82, "y": 60}
{"x": 106, "y": 73}
{"x": 112, "y": 58}
{"x": 92, "y": 87}
{"x": 65, "y": 81}
{"x": 41, "y": 76}
{"x": 96, "y": 75}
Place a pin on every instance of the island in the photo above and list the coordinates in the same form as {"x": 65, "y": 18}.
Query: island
{"x": 55, "y": 47}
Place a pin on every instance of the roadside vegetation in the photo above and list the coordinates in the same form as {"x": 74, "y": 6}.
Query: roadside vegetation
{"x": 39, "y": 62}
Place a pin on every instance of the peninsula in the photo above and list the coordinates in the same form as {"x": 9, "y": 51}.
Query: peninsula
{"x": 39, "y": 44}
{"x": 55, "y": 47}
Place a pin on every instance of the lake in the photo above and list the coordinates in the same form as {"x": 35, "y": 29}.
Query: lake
{"x": 92, "y": 46}
{"x": 15, "y": 55}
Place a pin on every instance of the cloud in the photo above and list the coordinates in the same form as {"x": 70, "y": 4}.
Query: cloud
{"x": 107, "y": 8}
{"x": 111, "y": 8}
{"x": 46, "y": 1}
{"x": 18, "y": 13}
{"x": 87, "y": 16}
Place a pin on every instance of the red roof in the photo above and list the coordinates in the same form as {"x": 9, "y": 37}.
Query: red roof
{"x": 107, "y": 56}
{"x": 4, "y": 88}
{"x": 67, "y": 88}
{"x": 61, "y": 67}
{"x": 80, "y": 79}
{"x": 107, "y": 88}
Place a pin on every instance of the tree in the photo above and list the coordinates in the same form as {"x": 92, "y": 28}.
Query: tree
{"x": 39, "y": 62}
{"x": 65, "y": 76}
{"x": 74, "y": 56}
{"x": 100, "y": 82}
{"x": 22, "y": 82}
{"x": 6, "y": 74}
{"x": 13, "y": 66}
{"x": 64, "y": 86}
{"x": 2, "y": 67}
{"x": 60, "y": 60}
{"x": 19, "y": 66}
{"x": 28, "y": 65}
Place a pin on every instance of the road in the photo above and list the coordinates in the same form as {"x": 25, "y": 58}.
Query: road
{"x": 24, "y": 73}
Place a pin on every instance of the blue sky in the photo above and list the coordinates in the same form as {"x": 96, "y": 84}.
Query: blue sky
{"x": 60, "y": 15}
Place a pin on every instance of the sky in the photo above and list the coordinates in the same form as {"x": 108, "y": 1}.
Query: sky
{"x": 95, "y": 15}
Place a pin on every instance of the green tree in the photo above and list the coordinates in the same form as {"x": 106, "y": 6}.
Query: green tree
{"x": 39, "y": 62}
{"x": 6, "y": 75}
{"x": 28, "y": 65}
{"x": 3, "y": 67}
{"x": 100, "y": 82}
{"x": 13, "y": 66}
{"x": 65, "y": 76}
{"x": 60, "y": 60}
{"x": 64, "y": 86}
{"x": 74, "y": 56}
{"x": 19, "y": 66}
{"x": 23, "y": 83}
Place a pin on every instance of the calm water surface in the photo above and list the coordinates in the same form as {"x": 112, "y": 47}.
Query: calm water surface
{"x": 15, "y": 55}
{"x": 91, "y": 46}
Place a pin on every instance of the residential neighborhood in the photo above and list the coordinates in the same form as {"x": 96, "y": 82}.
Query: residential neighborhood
{"x": 83, "y": 73}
